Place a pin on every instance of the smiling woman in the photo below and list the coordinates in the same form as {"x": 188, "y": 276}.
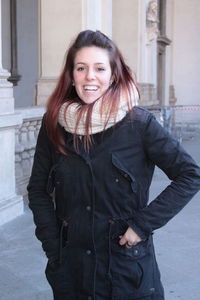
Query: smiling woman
{"x": 95, "y": 81}
{"x": 92, "y": 73}
{"x": 89, "y": 187}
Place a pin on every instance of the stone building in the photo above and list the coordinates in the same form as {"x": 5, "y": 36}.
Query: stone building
{"x": 158, "y": 38}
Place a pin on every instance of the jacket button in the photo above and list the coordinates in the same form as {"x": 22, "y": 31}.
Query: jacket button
{"x": 152, "y": 290}
{"x": 116, "y": 180}
{"x": 57, "y": 182}
{"x": 88, "y": 252}
{"x": 111, "y": 221}
{"x": 136, "y": 252}
{"x": 125, "y": 175}
{"x": 88, "y": 208}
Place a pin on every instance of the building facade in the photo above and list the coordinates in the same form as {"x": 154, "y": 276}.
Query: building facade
{"x": 158, "y": 38}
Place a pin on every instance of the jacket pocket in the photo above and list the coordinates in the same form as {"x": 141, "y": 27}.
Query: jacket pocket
{"x": 132, "y": 269}
{"x": 124, "y": 173}
{"x": 50, "y": 187}
{"x": 58, "y": 278}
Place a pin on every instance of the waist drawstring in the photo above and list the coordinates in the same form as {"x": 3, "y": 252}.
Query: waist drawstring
{"x": 111, "y": 222}
{"x": 64, "y": 224}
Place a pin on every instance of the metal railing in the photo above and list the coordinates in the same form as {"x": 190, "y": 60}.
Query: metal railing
{"x": 182, "y": 121}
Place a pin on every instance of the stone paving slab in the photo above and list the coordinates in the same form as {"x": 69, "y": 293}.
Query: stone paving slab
{"x": 177, "y": 244}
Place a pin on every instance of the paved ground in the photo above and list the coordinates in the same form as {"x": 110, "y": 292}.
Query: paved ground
{"x": 177, "y": 246}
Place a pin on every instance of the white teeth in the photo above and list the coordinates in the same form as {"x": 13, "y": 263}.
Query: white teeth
{"x": 90, "y": 88}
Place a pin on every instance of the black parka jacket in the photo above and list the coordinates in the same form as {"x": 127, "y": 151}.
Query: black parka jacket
{"x": 97, "y": 195}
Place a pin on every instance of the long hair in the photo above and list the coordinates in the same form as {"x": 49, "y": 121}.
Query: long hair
{"x": 65, "y": 91}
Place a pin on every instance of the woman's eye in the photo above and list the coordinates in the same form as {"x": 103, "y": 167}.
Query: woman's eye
{"x": 101, "y": 69}
{"x": 80, "y": 68}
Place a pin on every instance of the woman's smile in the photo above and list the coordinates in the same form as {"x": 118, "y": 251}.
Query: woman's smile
{"x": 90, "y": 88}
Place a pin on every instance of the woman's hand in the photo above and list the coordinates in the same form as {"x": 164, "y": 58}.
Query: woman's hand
{"x": 129, "y": 239}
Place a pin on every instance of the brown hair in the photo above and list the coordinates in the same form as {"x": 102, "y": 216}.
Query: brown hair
{"x": 65, "y": 91}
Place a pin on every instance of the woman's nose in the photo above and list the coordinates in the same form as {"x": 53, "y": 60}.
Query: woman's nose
{"x": 90, "y": 74}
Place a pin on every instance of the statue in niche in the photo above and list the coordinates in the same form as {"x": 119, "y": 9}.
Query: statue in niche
{"x": 152, "y": 21}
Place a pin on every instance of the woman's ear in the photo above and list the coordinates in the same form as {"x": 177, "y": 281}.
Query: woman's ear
{"x": 112, "y": 79}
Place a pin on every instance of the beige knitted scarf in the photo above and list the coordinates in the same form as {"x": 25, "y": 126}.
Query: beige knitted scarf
{"x": 100, "y": 120}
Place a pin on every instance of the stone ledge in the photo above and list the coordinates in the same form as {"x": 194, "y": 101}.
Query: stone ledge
{"x": 32, "y": 112}
{"x": 10, "y": 120}
{"x": 11, "y": 208}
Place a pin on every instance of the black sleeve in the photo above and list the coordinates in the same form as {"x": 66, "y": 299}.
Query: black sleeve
{"x": 40, "y": 202}
{"x": 177, "y": 164}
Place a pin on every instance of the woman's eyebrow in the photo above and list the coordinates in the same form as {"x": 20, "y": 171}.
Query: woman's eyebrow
{"x": 82, "y": 63}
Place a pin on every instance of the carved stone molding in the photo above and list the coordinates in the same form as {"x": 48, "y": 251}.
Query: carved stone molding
{"x": 148, "y": 94}
{"x": 172, "y": 97}
{"x": 25, "y": 141}
{"x": 162, "y": 42}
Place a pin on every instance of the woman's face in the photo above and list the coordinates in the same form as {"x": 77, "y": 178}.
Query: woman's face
{"x": 91, "y": 73}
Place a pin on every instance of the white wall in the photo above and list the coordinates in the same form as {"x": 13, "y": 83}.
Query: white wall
{"x": 125, "y": 30}
{"x": 59, "y": 24}
{"x": 186, "y": 51}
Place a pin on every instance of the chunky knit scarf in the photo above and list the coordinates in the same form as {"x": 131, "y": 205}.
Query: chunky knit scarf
{"x": 68, "y": 115}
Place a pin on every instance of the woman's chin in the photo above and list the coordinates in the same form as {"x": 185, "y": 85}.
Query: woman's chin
{"x": 89, "y": 100}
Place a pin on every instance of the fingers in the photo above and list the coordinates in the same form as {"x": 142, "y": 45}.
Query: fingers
{"x": 129, "y": 239}
{"x": 125, "y": 242}
{"x": 129, "y": 244}
{"x": 122, "y": 240}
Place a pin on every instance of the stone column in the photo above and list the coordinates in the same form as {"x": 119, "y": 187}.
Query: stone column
{"x": 162, "y": 56}
{"x": 11, "y": 205}
{"x": 97, "y": 15}
{"x": 129, "y": 32}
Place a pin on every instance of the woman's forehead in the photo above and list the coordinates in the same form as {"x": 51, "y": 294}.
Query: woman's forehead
{"x": 92, "y": 54}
